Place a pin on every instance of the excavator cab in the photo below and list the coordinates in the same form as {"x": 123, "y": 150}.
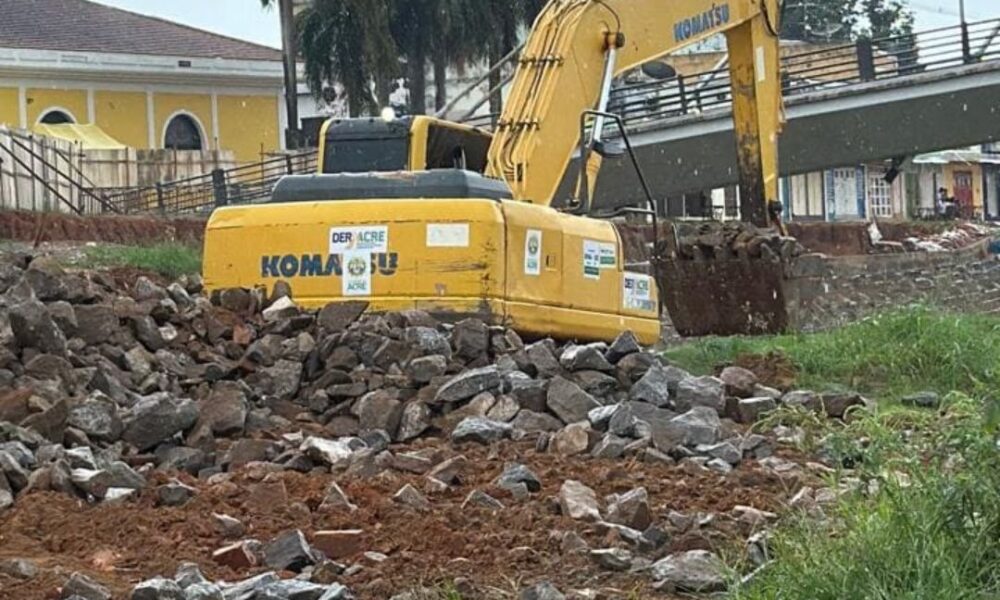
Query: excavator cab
{"x": 407, "y": 144}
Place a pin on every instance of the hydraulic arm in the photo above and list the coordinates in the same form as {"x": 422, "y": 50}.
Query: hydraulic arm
{"x": 577, "y": 47}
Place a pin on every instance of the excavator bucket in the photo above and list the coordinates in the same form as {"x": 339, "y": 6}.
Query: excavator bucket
{"x": 724, "y": 279}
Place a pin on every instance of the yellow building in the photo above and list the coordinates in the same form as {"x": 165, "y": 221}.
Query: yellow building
{"x": 149, "y": 83}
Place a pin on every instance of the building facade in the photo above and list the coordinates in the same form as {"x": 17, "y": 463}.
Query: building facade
{"x": 146, "y": 82}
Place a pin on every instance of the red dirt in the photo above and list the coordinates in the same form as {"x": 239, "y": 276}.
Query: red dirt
{"x": 124, "y": 544}
{"x": 773, "y": 369}
{"x": 56, "y": 227}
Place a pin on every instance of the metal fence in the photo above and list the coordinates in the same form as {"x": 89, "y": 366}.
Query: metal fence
{"x": 240, "y": 185}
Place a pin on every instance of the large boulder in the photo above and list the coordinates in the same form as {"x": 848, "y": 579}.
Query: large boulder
{"x": 471, "y": 339}
{"x": 568, "y": 401}
{"x": 653, "y": 387}
{"x": 577, "y": 501}
{"x": 701, "y": 391}
{"x": 157, "y": 418}
{"x": 584, "y": 358}
{"x": 378, "y": 411}
{"x": 469, "y": 384}
{"x": 739, "y": 382}
{"x": 700, "y": 425}
{"x": 33, "y": 327}
{"x": 626, "y": 343}
{"x": 95, "y": 323}
{"x": 225, "y": 410}
{"x": 97, "y": 416}
{"x": 480, "y": 430}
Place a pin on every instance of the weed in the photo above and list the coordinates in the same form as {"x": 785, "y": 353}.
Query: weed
{"x": 888, "y": 356}
{"x": 171, "y": 260}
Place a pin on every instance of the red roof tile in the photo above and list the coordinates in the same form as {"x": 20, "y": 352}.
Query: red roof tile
{"x": 82, "y": 26}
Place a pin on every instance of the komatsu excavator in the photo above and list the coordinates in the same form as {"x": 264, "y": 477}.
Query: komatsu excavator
{"x": 420, "y": 213}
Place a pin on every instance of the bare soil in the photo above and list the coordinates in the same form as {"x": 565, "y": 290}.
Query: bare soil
{"x": 120, "y": 545}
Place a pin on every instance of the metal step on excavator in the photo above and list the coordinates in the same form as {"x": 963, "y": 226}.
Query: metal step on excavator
{"x": 423, "y": 213}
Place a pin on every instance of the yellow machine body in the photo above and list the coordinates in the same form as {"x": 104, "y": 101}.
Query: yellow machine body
{"x": 462, "y": 253}
{"x": 540, "y": 271}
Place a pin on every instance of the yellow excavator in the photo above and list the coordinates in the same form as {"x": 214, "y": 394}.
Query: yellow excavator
{"x": 421, "y": 213}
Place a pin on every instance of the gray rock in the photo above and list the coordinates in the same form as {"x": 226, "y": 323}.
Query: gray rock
{"x": 174, "y": 494}
{"x": 542, "y": 358}
{"x": 95, "y": 323}
{"x": 837, "y": 404}
{"x": 634, "y": 366}
{"x": 584, "y": 358}
{"x": 529, "y": 393}
{"x": 626, "y": 343}
{"x": 84, "y": 587}
{"x": 17, "y": 476}
{"x": 284, "y": 378}
{"x": 922, "y": 400}
{"x": 92, "y": 482}
{"x": 483, "y": 500}
{"x": 338, "y": 316}
{"x": 568, "y": 401}
{"x": 637, "y": 419}
{"x": 630, "y": 509}
{"x": 600, "y": 417}
{"x": 334, "y": 453}
{"x": 64, "y": 316}
{"x": 158, "y": 589}
{"x": 541, "y": 591}
{"x": 572, "y": 440}
{"x": 426, "y": 341}
{"x": 157, "y": 418}
{"x": 701, "y": 391}
{"x": 204, "y": 591}
{"x": 33, "y": 327}
{"x": 610, "y": 446}
{"x": 653, "y": 387}
{"x": 189, "y": 574}
{"x": 577, "y": 501}
{"x": 6, "y": 494}
{"x": 225, "y": 410}
{"x": 751, "y": 410}
{"x": 424, "y": 369}
{"x": 97, "y": 416}
{"x": 47, "y": 279}
{"x": 696, "y": 571}
{"x": 293, "y": 589}
{"x": 124, "y": 476}
{"x": 469, "y": 384}
{"x": 505, "y": 409}
{"x": 535, "y": 422}
{"x": 411, "y": 497}
{"x": 739, "y": 382}
{"x": 724, "y": 451}
{"x": 803, "y": 399}
{"x": 595, "y": 382}
{"x": 415, "y": 420}
{"x": 24, "y": 456}
{"x": 470, "y": 338}
{"x": 19, "y": 568}
{"x": 480, "y": 430}
{"x": 289, "y": 552}
{"x": 613, "y": 559}
{"x": 246, "y": 589}
{"x": 700, "y": 425}
{"x": 147, "y": 332}
{"x": 378, "y": 411}
{"x": 147, "y": 290}
{"x": 515, "y": 474}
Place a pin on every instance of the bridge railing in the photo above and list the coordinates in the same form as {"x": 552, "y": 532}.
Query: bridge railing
{"x": 827, "y": 67}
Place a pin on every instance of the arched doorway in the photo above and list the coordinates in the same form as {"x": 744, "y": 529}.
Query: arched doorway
{"x": 56, "y": 116}
{"x": 183, "y": 133}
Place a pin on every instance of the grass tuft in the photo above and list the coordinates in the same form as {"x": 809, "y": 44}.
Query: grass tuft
{"x": 888, "y": 356}
{"x": 168, "y": 259}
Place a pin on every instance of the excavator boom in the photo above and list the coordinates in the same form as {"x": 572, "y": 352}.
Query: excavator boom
{"x": 577, "y": 46}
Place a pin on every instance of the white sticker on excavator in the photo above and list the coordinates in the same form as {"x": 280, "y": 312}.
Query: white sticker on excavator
{"x": 533, "y": 252}
{"x": 359, "y": 239}
{"x": 637, "y": 293}
{"x": 448, "y": 235}
{"x": 357, "y": 279}
{"x": 591, "y": 259}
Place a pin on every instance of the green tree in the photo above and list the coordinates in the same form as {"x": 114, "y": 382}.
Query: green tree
{"x": 819, "y": 20}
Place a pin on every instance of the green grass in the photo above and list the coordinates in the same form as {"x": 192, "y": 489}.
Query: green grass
{"x": 168, "y": 259}
{"x": 930, "y": 531}
{"x": 910, "y": 350}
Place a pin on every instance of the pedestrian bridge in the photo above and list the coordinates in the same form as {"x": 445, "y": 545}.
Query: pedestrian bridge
{"x": 844, "y": 105}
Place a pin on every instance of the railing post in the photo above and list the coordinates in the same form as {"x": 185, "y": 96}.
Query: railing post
{"x": 967, "y": 57}
{"x": 289, "y": 167}
{"x": 159, "y": 198}
{"x": 866, "y": 59}
{"x": 681, "y": 88}
{"x": 219, "y": 187}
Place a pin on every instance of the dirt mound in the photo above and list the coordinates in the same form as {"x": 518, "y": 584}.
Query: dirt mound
{"x": 773, "y": 369}
{"x": 56, "y": 227}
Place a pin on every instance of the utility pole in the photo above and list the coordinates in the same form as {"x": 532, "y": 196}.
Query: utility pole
{"x": 293, "y": 134}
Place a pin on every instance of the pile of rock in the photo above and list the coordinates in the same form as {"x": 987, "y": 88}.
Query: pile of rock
{"x": 103, "y": 385}
{"x": 729, "y": 240}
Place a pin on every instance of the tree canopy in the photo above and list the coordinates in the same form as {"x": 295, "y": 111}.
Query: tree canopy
{"x": 845, "y": 20}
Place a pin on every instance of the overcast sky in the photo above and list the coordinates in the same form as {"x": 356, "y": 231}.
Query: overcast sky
{"x": 245, "y": 19}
